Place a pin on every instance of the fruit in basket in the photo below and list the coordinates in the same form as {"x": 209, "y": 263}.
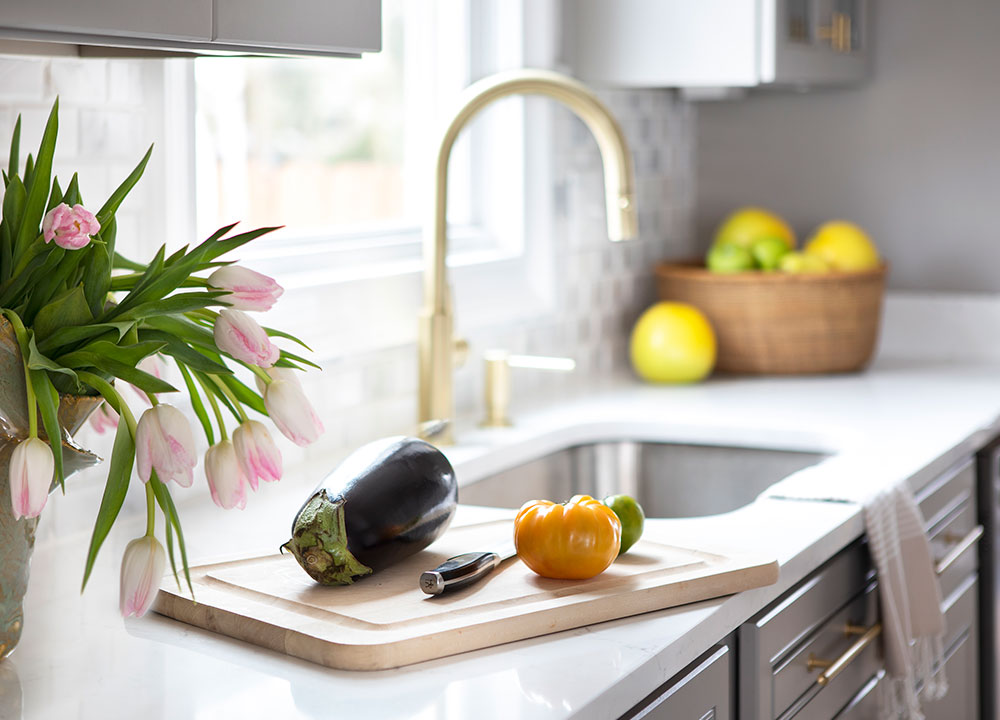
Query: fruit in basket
{"x": 749, "y": 224}
{"x": 844, "y": 246}
{"x": 800, "y": 263}
{"x": 672, "y": 343}
{"x": 768, "y": 251}
{"x": 729, "y": 258}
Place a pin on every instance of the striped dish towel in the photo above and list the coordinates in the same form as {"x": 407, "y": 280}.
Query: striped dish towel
{"x": 909, "y": 593}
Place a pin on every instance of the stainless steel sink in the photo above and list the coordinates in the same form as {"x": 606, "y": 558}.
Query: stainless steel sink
{"x": 669, "y": 480}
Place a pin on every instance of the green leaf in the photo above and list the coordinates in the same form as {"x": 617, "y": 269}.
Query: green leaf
{"x": 72, "y": 196}
{"x": 183, "y": 328}
{"x": 129, "y": 354}
{"x": 97, "y": 276}
{"x": 13, "y": 204}
{"x": 298, "y": 359}
{"x": 166, "y": 504}
{"x": 38, "y": 187}
{"x": 183, "y": 352}
{"x": 111, "y": 206}
{"x": 271, "y": 332}
{"x": 120, "y": 262}
{"x": 169, "y": 532}
{"x": 119, "y": 474}
{"x": 211, "y": 389}
{"x": 67, "y": 310}
{"x": 55, "y": 197}
{"x": 142, "y": 380}
{"x": 244, "y": 394}
{"x": 197, "y": 404}
{"x": 38, "y": 361}
{"x": 48, "y": 405}
{"x": 174, "y": 305}
{"x": 71, "y": 335}
{"x": 29, "y": 171}
{"x": 15, "y": 149}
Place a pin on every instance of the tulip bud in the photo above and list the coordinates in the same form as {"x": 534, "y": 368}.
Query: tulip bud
{"x": 225, "y": 476}
{"x": 103, "y": 418}
{"x": 153, "y": 365}
{"x": 31, "y": 469}
{"x": 291, "y": 412}
{"x": 163, "y": 442}
{"x": 142, "y": 570}
{"x": 70, "y": 227}
{"x": 239, "y": 335}
{"x": 248, "y": 290}
{"x": 258, "y": 456}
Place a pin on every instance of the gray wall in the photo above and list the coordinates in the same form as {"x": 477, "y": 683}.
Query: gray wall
{"x": 913, "y": 155}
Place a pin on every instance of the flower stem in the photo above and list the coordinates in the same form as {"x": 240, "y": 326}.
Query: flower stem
{"x": 215, "y": 408}
{"x": 32, "y": 403}
{"x": 232, "y": 397}
{"x": 150, "y": 510}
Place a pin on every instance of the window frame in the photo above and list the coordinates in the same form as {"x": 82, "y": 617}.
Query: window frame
{"x": 498, "y": 278}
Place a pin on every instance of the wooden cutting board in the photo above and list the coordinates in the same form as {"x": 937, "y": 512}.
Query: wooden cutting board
{"x": 386, "y": 621}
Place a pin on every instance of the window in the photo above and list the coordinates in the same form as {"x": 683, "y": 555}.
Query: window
{"x": 340, "y": 152}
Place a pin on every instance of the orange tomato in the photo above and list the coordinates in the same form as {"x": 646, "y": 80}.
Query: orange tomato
{"x": 573, "y": 541}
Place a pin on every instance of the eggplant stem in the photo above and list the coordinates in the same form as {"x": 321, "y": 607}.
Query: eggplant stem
{"x": 319, "y": 542}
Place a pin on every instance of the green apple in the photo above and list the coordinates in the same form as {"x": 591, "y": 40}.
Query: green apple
{"x": 729, "y": 258}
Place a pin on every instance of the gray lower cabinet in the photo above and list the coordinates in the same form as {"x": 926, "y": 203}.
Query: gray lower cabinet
{"x": 961, "y": 657}
{"x": 702, "y": 691}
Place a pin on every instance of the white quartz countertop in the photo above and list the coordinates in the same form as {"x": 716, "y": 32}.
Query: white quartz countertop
{"x": 78, "y": 659}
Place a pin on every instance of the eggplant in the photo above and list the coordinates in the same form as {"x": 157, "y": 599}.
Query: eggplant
{"x": 386, "y": 501}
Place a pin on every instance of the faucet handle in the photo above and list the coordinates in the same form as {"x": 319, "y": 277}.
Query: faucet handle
{"x": 497, "y": 388}
{"x": 460, "y": 351}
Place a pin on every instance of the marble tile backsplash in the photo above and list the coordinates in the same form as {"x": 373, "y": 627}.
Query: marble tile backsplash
{"x": 600, "y": 287}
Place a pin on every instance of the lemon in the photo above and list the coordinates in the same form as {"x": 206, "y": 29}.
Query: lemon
{"x": 672, "y": 343}
{"x": 768, "y": 251}
{"x": 729, "y": 258}
{"x": 748, "y": 224}
{"x": 844, "y": 246}
{"x": 798, "y": 263}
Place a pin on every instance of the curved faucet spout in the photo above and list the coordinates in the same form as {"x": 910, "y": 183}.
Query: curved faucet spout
{"x": 436, "y": 326}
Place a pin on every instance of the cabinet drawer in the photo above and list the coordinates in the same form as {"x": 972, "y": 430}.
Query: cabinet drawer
{"x": 942, "y": 496}
{"x": 953, "y": 547}
{"x": 961, "y": 609}
{"x": 793, "y": 678}
{"x": 702, "y": 691}
{"x": 864, "y": 705}
{"x": 769, "y": 640}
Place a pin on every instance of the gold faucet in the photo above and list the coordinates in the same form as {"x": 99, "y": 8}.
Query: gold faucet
{"x": 436, "y": 341}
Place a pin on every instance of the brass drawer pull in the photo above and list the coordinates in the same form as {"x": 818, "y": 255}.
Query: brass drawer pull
{"x": 958, "y": 550}
{"x": 833, "y": 668}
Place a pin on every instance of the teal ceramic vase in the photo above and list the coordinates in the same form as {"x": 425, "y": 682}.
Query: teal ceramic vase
{"x": 17, "y": 537}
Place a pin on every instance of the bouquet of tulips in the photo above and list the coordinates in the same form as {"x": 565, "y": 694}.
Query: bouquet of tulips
{"x": 84, "y": 316}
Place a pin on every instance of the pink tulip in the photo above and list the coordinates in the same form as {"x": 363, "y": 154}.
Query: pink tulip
{"x": 104, "y": 418}
{"x": 239, "y": 335}
{"x": 226, "y": 480}
{"x": 70, "y": 227}
{"x": 248, "y": 290}
{"x": 153, "y": 365}
{"x": 31, "y": 470}
{"x": 290, "y": 410}
{"x": 259, "y": 457}
{"x": 279, "y": 373}
{"x": 142, "y": 570}
{"x": 163, "y": 442}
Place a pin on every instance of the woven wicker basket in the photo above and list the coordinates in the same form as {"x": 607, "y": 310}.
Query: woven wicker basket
{"x": 775, "y": 323}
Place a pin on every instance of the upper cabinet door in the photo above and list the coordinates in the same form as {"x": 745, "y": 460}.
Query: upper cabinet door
{"x": 182, "y": 20}
{"x": 308, "y": 25}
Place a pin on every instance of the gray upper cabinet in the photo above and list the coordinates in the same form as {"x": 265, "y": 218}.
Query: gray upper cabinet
{"x": 720, "y": 43}
{"x": 291, "y": 27}
{"x": 181, "y": 20}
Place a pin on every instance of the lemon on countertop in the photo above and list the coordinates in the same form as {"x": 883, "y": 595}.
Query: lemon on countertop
{"x": 843, "y": 246}
{"x": 729, "y": 258}
{"x": 672, "y": 343}
{"x": 749, "y": 224}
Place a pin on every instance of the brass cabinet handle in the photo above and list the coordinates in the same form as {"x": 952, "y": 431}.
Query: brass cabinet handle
{"x": 833, "y": 668}
{"x": 959, "y": 549}
{"x": 838, "y": 32}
